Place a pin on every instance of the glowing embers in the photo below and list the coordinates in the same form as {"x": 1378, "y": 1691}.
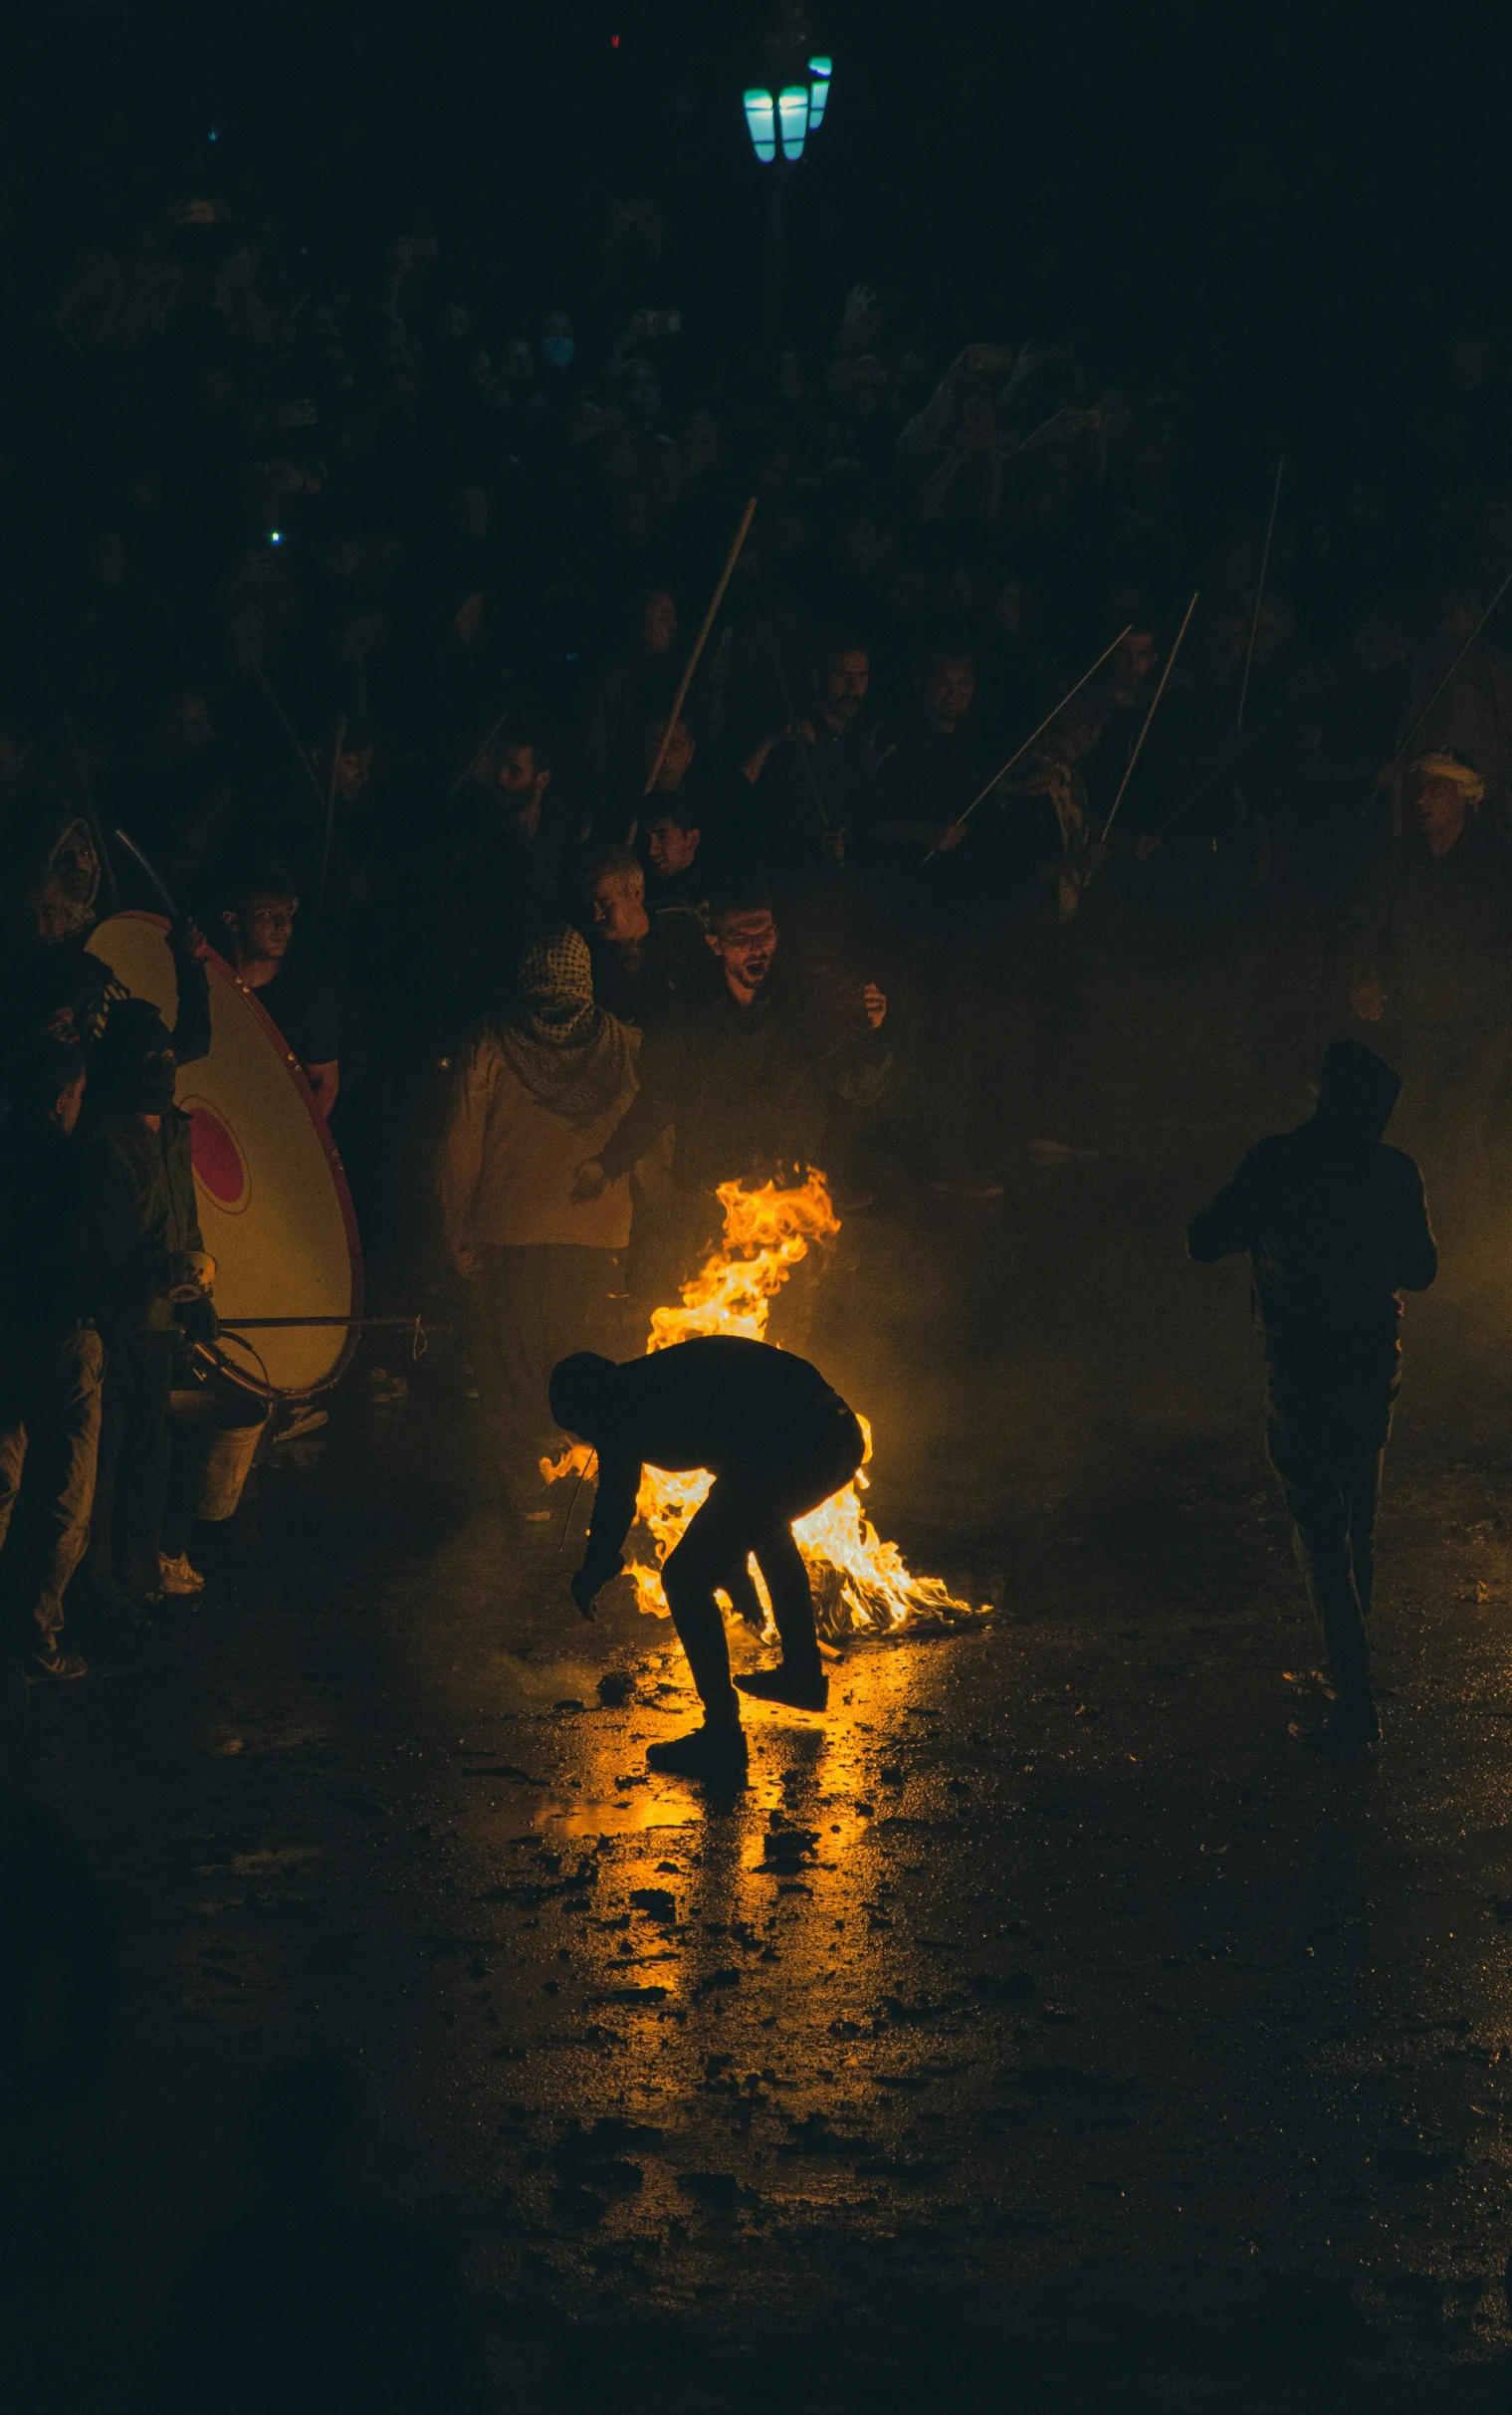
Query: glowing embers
{"x": 859, "y": 1582}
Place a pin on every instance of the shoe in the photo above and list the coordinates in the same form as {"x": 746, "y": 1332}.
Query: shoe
{"x": 809, "y": 1691}
{"x": 56, "y": 1665}
{"x": 176, "y": 1575}
{"x": 1352, "y": 1725}
{"x": 706, "y": 1752}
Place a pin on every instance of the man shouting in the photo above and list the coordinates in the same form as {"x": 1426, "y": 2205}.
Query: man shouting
{"x": 778, "y": 1441}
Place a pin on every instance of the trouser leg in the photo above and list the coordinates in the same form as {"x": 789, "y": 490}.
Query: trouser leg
{"x": 52, "y": 1524}
{"x": 141, "y": 1467}
{"x": 804, "y": 1472}
{"x": 716, "y": 1541}
{"x": 1313, "y": 1482}
{"x": 1330, "y": 1415}
{"x": 792, "y": 1604}
{"x": 1362, "y": 1493}
{"x": 100, "y": 1562}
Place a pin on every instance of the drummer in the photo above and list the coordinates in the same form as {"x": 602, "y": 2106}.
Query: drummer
{"x": 260, "y": 920}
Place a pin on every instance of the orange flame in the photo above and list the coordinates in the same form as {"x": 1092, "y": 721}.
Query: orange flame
{"x": 859, "y": 1581}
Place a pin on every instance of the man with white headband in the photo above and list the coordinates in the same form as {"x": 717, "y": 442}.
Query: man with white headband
{"x": 1430, "y": 954}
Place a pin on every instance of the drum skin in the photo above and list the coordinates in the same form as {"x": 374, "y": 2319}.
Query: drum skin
{"x": 274, "y": 1206}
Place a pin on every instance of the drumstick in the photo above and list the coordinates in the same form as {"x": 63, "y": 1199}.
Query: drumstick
{"x": 155, "y": 878}
{"x": 1148, "y": 718}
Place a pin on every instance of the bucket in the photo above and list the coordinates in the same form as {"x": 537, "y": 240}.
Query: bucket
{"x": 220, "y": 1430}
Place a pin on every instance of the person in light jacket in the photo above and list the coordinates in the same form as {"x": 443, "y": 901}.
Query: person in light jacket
{"x": 537, "y": 1087}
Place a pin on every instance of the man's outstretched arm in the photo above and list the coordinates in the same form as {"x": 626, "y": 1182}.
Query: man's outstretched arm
{"x": 613, "y": 1516}
{"x": 1416, "y": 1249}
{"x": 1228, "y": 1224}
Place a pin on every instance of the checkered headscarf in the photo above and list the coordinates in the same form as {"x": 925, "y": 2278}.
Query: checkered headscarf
{"x": 570, "y": 1054}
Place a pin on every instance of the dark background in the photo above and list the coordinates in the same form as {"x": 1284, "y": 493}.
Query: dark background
{"x": 1284, "y": 198}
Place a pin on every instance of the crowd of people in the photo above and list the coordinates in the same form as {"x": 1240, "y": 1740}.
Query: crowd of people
{"x": 1030, "y": 711}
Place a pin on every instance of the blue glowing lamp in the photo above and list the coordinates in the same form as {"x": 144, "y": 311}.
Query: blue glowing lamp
{"x": 793, "y": 119}
{"x": 761, "y": 118}
{"x": 787, "y": 117}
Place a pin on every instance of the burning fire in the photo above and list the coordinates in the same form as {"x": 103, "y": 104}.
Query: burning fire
{"x": 859, "y": 1581}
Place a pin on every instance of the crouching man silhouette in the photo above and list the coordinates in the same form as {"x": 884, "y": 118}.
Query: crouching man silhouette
{"x": 778, "y": 1441}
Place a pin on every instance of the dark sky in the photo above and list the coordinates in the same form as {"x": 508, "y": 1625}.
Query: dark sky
{"x": 1252, "y": 181}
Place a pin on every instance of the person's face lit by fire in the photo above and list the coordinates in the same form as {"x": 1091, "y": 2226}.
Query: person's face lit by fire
{"x": 949, "y": 685}
{"x": 1439, "y": 806}
{"x": 658, "y": 623}
{"x": 843, "y": 681}
{"x": 523, "y": 784}
{"x": 745, "y": 945}
{"x": 671, "y": 847}
{"x": 264, "y": 929}
{"x": 66, "y": 1110}
{"x": 1134, "y": 660}
{"x": 617, "y": 903}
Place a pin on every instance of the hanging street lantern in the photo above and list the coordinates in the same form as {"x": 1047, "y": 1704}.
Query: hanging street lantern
{"x": 784, "y": 104}
{"x": 788, "y": 106}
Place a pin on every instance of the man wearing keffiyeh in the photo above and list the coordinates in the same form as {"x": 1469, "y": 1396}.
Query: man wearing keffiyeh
{"x": 537, "y": 1087}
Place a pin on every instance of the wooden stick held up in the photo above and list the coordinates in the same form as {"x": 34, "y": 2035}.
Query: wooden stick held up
{"x": 1039, "y": 733}
{"x": 686, "y": 682}
{"x": 1148, "y": 718}
{"x": 799, "y": 741}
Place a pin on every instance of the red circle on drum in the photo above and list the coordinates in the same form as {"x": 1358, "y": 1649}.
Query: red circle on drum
{"x": 220, "y": 1168}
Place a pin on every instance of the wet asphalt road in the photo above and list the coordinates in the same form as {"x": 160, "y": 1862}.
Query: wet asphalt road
{"x": 1041, "y": 2029}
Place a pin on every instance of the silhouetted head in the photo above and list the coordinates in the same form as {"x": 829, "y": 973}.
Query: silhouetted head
{"x": 1357, "y": 1090}
{"x": 316, "y": 2124}
{"x": 133, "y": 1065}
{"x": 578, "y": 1391}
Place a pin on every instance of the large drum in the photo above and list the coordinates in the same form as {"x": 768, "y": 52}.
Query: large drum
{"x": 274, "y": 1206}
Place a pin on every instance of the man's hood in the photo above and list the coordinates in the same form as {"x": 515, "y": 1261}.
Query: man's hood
{"x": 1357, "y": 1090}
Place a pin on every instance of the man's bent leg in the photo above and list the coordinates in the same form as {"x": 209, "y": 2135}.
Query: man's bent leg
{"x": 703, "y": 1560}
{"x": 810, "y": 1472}
{"x": 792, "y": 1602}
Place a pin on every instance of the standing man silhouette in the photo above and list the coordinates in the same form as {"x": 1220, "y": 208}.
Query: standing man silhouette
{"x": 1337, "y": 1228}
